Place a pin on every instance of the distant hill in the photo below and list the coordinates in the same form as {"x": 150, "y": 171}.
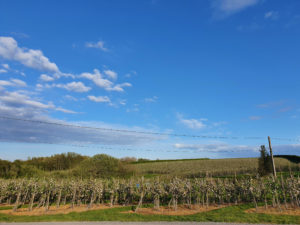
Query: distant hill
{"x": 292, "y": 158}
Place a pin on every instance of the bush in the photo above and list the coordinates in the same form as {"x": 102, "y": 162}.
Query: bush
{"x": 101, "y": 165}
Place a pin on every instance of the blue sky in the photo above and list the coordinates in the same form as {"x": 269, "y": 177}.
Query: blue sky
{"x": 211, "y": 67}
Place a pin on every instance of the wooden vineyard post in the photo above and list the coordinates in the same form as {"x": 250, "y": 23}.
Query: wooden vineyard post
{"x": 272, "y": 158}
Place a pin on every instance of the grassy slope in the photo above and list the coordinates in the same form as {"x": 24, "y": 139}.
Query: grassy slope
{"x": 229, "y": 214}
{"x": 217, "y": 167}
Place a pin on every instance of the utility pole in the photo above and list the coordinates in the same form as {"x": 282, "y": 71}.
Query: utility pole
{"x": 271, "y": 153}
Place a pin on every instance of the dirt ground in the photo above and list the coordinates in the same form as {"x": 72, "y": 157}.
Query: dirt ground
{"x": 64, "y": 209}
{"x": 293, "y": 211}
{"x": 181, "y": 210}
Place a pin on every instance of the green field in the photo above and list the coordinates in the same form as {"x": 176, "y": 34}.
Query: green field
{"x": 214, "y": 167}
{"x": 229, "y": 214}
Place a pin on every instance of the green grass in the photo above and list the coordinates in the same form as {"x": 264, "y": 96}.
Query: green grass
{"x": 229, "y": 214}
{"x": 215, "y": 167}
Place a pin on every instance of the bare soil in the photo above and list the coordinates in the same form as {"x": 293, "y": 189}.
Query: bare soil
{"x": 290, "y": 210}
{"x": 64, "y": 209}
{"x": 181, "y": 210}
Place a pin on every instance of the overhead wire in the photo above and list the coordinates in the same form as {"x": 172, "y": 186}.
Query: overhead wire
{"x": 146, "y": 132}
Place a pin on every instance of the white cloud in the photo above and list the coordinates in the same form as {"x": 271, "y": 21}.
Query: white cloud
{"x": 240, "y": 150}
{"x": 153, "y": 99}
{"x": 18, "y": 82}
{"x": 99, "y": 45}
{"x": 3, "y": 71}
{"x": 61, "y": 74}
{"x": 224, "y": 8}
{"x": 18, "y": 103}
{"x": 130, "y": 74}
{"x": 111, "y": 74}
{"x": 192, "y": 123}
{"x": 123, "y": 102}
{"x": 108, "y": 85}
{"x": 10, "y": 50}
{"x": 97, "y": 78}
{"x": 71, "y": 98}
{"x": 39, "y": 87}
{"x": 73, "y": 86}
{"x": 17, "y": 99}
{"x": 219, "y": 147}
{"x": 13, "y": 82}
{"x": 119, "y": 87}
{"x": 46, "y": 78}
{"x": 99, "y": 98}
{"x": 271, "y": 15}
{"x": 65, "y": 110}
{"x": 5, "y": 66}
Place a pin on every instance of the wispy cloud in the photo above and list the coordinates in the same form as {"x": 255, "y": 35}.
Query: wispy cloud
{"x": 192, "y": 123}
{"x": 70, "y": 98}
{"x": 13, "y": 82}
{"x": 271, "y": 104}
{"x": 111, "y": 74}
{"x": 285, "y": 109}
{"x": 151, "y": 100}
{"x": 292, "y": 149}
{"x": 19, "y": 34}
{"x": 46, "y": 78}
{"x": 100, "y": 81}
{"x": 219, "y": 147}
{"x": 3, "y": 71}
{"x": 5, "y": 66}
{"x": 224, "y": 8}
{"x": 271, "y": 15}
{"x": 131, "y": 74}
{"x": 134, "y": 108}
{"x": 98, "y": 45}
{"x": 278, "y": 106}
{"x": 74, "y": 86}
{"x": 99, "y": 98}
{"x": 14, "y": 104}
{"x": 21, "y": 104}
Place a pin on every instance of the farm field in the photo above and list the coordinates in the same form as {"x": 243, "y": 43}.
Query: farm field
{"x": 88, "y": 189}
{"x": 140, "y": 199}
{"x": 214, "y": 167}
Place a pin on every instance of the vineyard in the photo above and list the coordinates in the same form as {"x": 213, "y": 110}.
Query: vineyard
{"x": 35, "y": 194}
{"x": 215, "y": 167}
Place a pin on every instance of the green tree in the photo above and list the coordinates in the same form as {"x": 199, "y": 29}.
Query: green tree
{"x": 101, "y": 166}
{"x": 264, "y": 162}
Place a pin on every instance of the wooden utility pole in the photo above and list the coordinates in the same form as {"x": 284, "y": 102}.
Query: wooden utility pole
{"x": 271, "y": 153}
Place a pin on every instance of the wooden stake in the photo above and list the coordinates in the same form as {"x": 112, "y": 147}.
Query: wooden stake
{"x": 271, "y": 153}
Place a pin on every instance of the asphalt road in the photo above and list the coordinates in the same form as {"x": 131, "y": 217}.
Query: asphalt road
{"x": 127, "y": 223}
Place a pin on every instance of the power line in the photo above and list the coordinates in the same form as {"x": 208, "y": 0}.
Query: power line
{"x": 100, "y": 147}
{"x": 121, "y": 149}
{"x": 144, "y": 132}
